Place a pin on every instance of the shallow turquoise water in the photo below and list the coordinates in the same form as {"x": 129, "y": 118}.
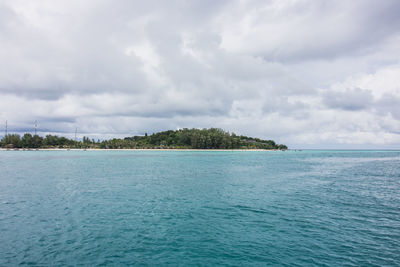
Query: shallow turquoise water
{"x": 309, "y": 208}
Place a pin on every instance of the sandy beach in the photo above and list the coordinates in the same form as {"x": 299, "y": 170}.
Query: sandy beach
{"x": 132, "y": 149}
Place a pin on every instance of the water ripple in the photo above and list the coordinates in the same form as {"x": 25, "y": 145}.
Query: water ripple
{"x": 311, "y": 208}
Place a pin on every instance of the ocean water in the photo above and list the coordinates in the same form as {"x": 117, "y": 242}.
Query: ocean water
{"x": 207, "y": 208}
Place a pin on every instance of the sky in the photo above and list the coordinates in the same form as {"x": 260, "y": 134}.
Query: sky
{"x": 309, "y": 74}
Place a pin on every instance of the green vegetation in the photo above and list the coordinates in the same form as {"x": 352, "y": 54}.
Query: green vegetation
{"x": 185, "y": 139}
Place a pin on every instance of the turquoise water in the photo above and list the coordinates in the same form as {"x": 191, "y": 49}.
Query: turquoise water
{"x": 309, "y": 208}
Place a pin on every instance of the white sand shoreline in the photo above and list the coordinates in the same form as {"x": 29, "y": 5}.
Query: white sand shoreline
{"x": 131, "y": 149}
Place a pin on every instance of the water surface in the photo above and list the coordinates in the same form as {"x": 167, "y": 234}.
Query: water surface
{"x": 308, "y": 208}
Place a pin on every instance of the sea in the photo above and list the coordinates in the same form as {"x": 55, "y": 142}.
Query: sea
{"x": 200, "y": 208}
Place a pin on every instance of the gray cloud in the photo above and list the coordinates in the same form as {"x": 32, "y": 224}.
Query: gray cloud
{"x": 352, "y": 99}
{"x": 271, "y": 69}
{"x": 389, "y": 104}
{"x": 310, "y": 30}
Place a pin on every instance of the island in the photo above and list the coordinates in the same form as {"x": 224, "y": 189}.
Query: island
{"x": 213, "y": 138}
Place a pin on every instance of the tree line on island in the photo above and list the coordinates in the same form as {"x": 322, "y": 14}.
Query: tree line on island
{"x": 212, "y": 138}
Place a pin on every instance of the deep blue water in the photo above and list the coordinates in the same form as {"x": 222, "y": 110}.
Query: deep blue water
{"x": 309, "y": 208}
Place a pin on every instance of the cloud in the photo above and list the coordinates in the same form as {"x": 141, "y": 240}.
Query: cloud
{"x": 352, "y": 99}
{"x": 305, "y": 73}
{"x": 304, "y": 30}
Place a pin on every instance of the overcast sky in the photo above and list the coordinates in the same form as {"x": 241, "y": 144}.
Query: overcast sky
{"x": 309, "y": 74}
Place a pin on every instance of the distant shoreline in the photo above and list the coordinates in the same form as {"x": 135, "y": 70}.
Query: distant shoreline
{"x": 132, "y": 149}
{"x": 213, "y": 138}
